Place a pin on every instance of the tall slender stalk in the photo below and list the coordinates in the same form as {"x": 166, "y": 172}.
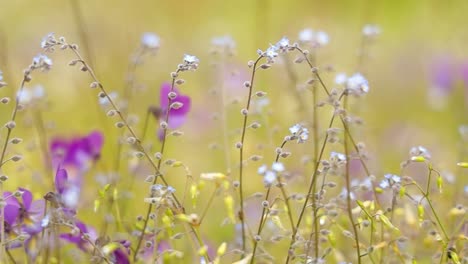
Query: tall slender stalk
{"x": 241, "y": 155}
{"x": 348, "y": 194}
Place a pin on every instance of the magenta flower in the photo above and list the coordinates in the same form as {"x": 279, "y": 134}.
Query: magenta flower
{"x": 177, "y": 116}
{"x": 76, "y": 155}
{"x": 443, "y": 74}
{"x": 25, "y": 215}
{"x": 67, "y": 193}
{"x": 77, "y": 152}
{"x": 118, "y": 256}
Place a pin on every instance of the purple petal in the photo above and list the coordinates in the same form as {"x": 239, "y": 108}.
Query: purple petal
{"x": 72, "y": 239}
{"x": 442, "y": 74}
{"x": 163, "y": 99}
{"x": 27, "y": 198}
{"x": 121, "y": 257}
{"x": 95, "y": 141}
{"x": 11, "y": 200}
{"x": 61, "y": 179}
{"x": 464, "y": 73}
{"x": 36, "y": 210}
{"x": 185, "y": 100}
{"x": 11, "y": 213}
{"x": 176, "y": 121}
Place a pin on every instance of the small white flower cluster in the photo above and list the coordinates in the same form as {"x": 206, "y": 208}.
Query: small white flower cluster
{"x": 270, "y": 175}
{"x": 356, "y": 84}
{"x": 190, "y": 63}
{"x": 344, "y": 194}
{"x": 371, "y": 30}
{"x": 49, "y": 42}
{"x": 41, "y": 62}
{"x": 273, "y": 51}
{"x": 390, "y": 180}
{"x": 25, "y": 96}
{"x": 224, "y": 44}
{"x": 337, "y": 158}
{"x": 315, "y": 39}
{"x": 150, "y": 41}
{"x": 336, "y": 161}
{"x": 420, "y": 151}
{"x": 299, "y": 132}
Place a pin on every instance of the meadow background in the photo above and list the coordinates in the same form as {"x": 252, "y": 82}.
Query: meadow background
{"x": 399, "y": 112}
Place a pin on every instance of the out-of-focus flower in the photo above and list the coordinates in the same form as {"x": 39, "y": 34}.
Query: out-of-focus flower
{"x": 150, "y": 40}
{"x": 390, "y": 180}
{"x": 341, "y": 78}
{"x": 371, "y": 30}
{"x": 77, "y": 152}
{"x": 68, "y": 192}
{"x": 26, "y": 95}
{"x": 315, "y": 39}
{"x": 176, "y": 116}
{"x": 442, "y": 76}
{"x": 357, "y": 84}
{"x": 420, "y": 151}
{"x": 270, "y": 175}
{"x": 118, "y": 253}
{"x": 224, "y": 43}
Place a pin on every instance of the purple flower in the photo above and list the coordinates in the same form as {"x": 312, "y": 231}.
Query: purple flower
{"x": 77, "y": 152}
{"x": 177, "y": 116}
{"x": 442, "y": 78}
{"x": 119, "y": 255}
{"x": 68, "y": 193}
{"x": 443, "y": 74}
{"x": 24, "y": 215}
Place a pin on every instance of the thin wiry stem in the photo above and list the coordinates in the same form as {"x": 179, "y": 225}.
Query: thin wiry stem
{"x": 241, "y": 156}
{"x": 348, "y": 194}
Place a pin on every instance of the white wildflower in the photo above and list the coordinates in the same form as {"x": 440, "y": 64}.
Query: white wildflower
{"x": 190, "y": 59}
{"x": 306, "y": 35}
{"x": 420, "y": 151}
{"x": 322, "y": 38}
{"x": 41, "y": 62}
{"x": 277, "y": 166}
{"x": 150, "y": 40}
{"x": 269, "y": 178}
{"x": 370, "y": 30}
{"x": 357, "y": 84}
{"x": 283, "y": 44}
{"x": 225, "y": 42}
{"x": 341, "y": 78}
